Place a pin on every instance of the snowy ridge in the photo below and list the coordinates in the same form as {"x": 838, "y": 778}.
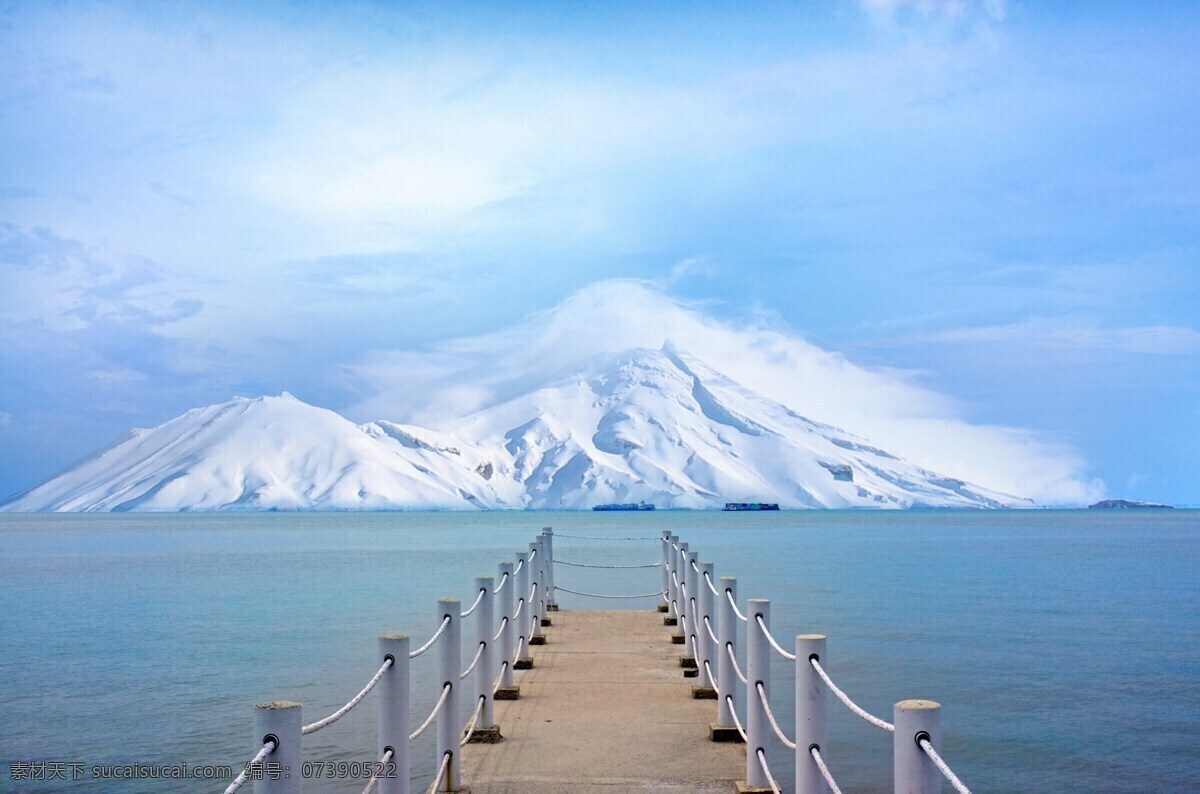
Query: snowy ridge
{"x": 653, "y": 425}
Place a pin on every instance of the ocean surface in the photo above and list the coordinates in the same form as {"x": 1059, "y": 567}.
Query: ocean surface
{"x": 1064, "y": 646}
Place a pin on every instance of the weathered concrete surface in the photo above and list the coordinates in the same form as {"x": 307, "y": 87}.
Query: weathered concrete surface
{"x": 605, "y": 709}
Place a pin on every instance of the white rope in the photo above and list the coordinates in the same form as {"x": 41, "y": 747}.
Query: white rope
{"x": 708, "y": 625}
{"x": 379, "y": 767}
{"x": 737, "y": 670}
{"x": 313, "y": 727}
{"x": 520, "y": 606}
{"x": 850, "y": 704}
{"x": 588, "y": 565}
{"x": 467, "y": 731}
{"x": 503, "y": 623}
{"x": 474, "y": 606}
{"x": 475, "y": 661}
{"x": 791, "y": 657}
{"x": 815, "y": 752}
{"x": 503, "y": 581}
{"x": 736, "y": 721}
{"x": 429, "y": 720}
{"x": 958, "y": 785}
{"x": 762, "y": 761}
{"x": 712, "y": 678}
{"x": 499, "y": 678}
{"x": 432, "y": 640}
{"x": 736, "y": 611}
{"x": 598, "y": 537}
{"x": 694, "y": 566}
{"x": 437, "y": 779}
{"x": 762, "y": 695}
{"x": 601, "y": 595}
{"x": 267, "y": 749}
{"x": 708, "y": 581}
{"x": 676, "y": 578}
{"x": 520, "y": 565}
{"x": 532, "y": 554}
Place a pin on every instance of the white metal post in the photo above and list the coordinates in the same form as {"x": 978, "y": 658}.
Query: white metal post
{"x": 705, "y": 610}
{"x": 508, "y": 637}
{"x": 665, "y": 543}
{"x": 485, "y": 672}
{"x": 810, "y": 715}
{"x": 727, "y": 635}
{"x": 449, "y": 649}
{"x": 393, "y": 715}
{"x": 548, "y": 545}
{"x": 913, "y": 770}
{"x": 536, "y": 557}
{"x": 758, "y": 670}
{"x": 281, "y": 721}
{"x": 685, "y": 589}
{"x": 673, "y": 576}
{"x": 521, "y": 624}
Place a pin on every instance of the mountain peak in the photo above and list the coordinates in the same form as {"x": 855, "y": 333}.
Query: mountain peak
{"x": 657, "y": 425}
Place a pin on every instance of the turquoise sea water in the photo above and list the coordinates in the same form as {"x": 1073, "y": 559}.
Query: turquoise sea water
{"x": 1064, "y": 646}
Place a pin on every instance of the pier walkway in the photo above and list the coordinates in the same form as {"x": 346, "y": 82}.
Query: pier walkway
{"x": 606, "y": 708}
{"x": 605, "y": 703}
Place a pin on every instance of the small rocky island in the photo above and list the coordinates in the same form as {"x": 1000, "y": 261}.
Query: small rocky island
{"x": 1125, "y": 504}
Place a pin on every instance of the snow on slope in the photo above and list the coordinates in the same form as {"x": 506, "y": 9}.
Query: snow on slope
{"x": 261, "y": 453}
{"x": 653, "y": 425}
{"x": 662, "y": 426}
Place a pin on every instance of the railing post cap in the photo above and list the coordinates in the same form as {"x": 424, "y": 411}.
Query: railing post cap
{"x": 759, "y": 601}
{"x": 277, "y": 705}
{"x": 449, "y": 601}
{"x": 811, "y": 637}
{"x": 917, "y": 705}
{"x": 728, "y": 578}
{"x": 393, "y": 636}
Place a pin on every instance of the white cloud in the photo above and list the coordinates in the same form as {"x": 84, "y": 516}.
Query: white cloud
{"x": 1148, "y": 339}
{"x": 439, "y": 385}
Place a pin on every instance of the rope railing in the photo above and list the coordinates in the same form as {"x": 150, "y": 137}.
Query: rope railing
{"x": 313, "y": 727}
{"x": 503, "y": 581}
{"x": 429, "y": 720}
{"x": 432, "y": 640}
{"x": 708, "y": 581}
{"x": 602, "y": 537}
{"x": 239, "y": 781}
{"x": 709, "y": 628}
{"x": 762, "y": 761}
{"x": 850, "y": 704}
{"x": 467, "y": 731}
{"x": 762, "y": 695}
{"x": 733, "y": 713}
{"x": 379, "y": 767}
{"x": 471, "y": 667}
{"x": 590, "y": 565}
{"x": 716, "y": 685}
{"x": 737, "y": 670}
{"x": 791, "y": 657}
{"x": 942, "y": 766}
{"x": 815, "y": 752}
{"x": 656, "y": 593}
{"x": 500, "y": 631}
{"x": 441, "y": 773}
{"x": 474, "y": 606}
{"x": 736, "y": 611}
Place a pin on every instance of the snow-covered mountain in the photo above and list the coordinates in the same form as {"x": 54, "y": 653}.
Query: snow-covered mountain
{"x": 653, "y": 425}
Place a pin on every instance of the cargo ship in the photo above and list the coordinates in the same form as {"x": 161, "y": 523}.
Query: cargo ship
{"x": 628, "y": 506}
{"x": 753, "y": 506}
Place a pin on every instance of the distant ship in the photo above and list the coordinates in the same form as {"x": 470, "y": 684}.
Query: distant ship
{"x": 751, "y": 505}
{"x": 627, "y": 506}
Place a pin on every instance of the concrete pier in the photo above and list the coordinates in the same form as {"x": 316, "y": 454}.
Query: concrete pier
{"x": 605, "y": 708}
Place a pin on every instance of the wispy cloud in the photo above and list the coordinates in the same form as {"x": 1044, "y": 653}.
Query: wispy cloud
{"x": 441, "y": 384}
{"x": 1152, "y": 339}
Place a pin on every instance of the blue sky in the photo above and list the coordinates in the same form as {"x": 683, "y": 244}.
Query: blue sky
{"x": 994, "y": 201}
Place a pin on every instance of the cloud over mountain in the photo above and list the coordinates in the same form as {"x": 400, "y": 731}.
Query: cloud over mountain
{"x": 437, "y": 386}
